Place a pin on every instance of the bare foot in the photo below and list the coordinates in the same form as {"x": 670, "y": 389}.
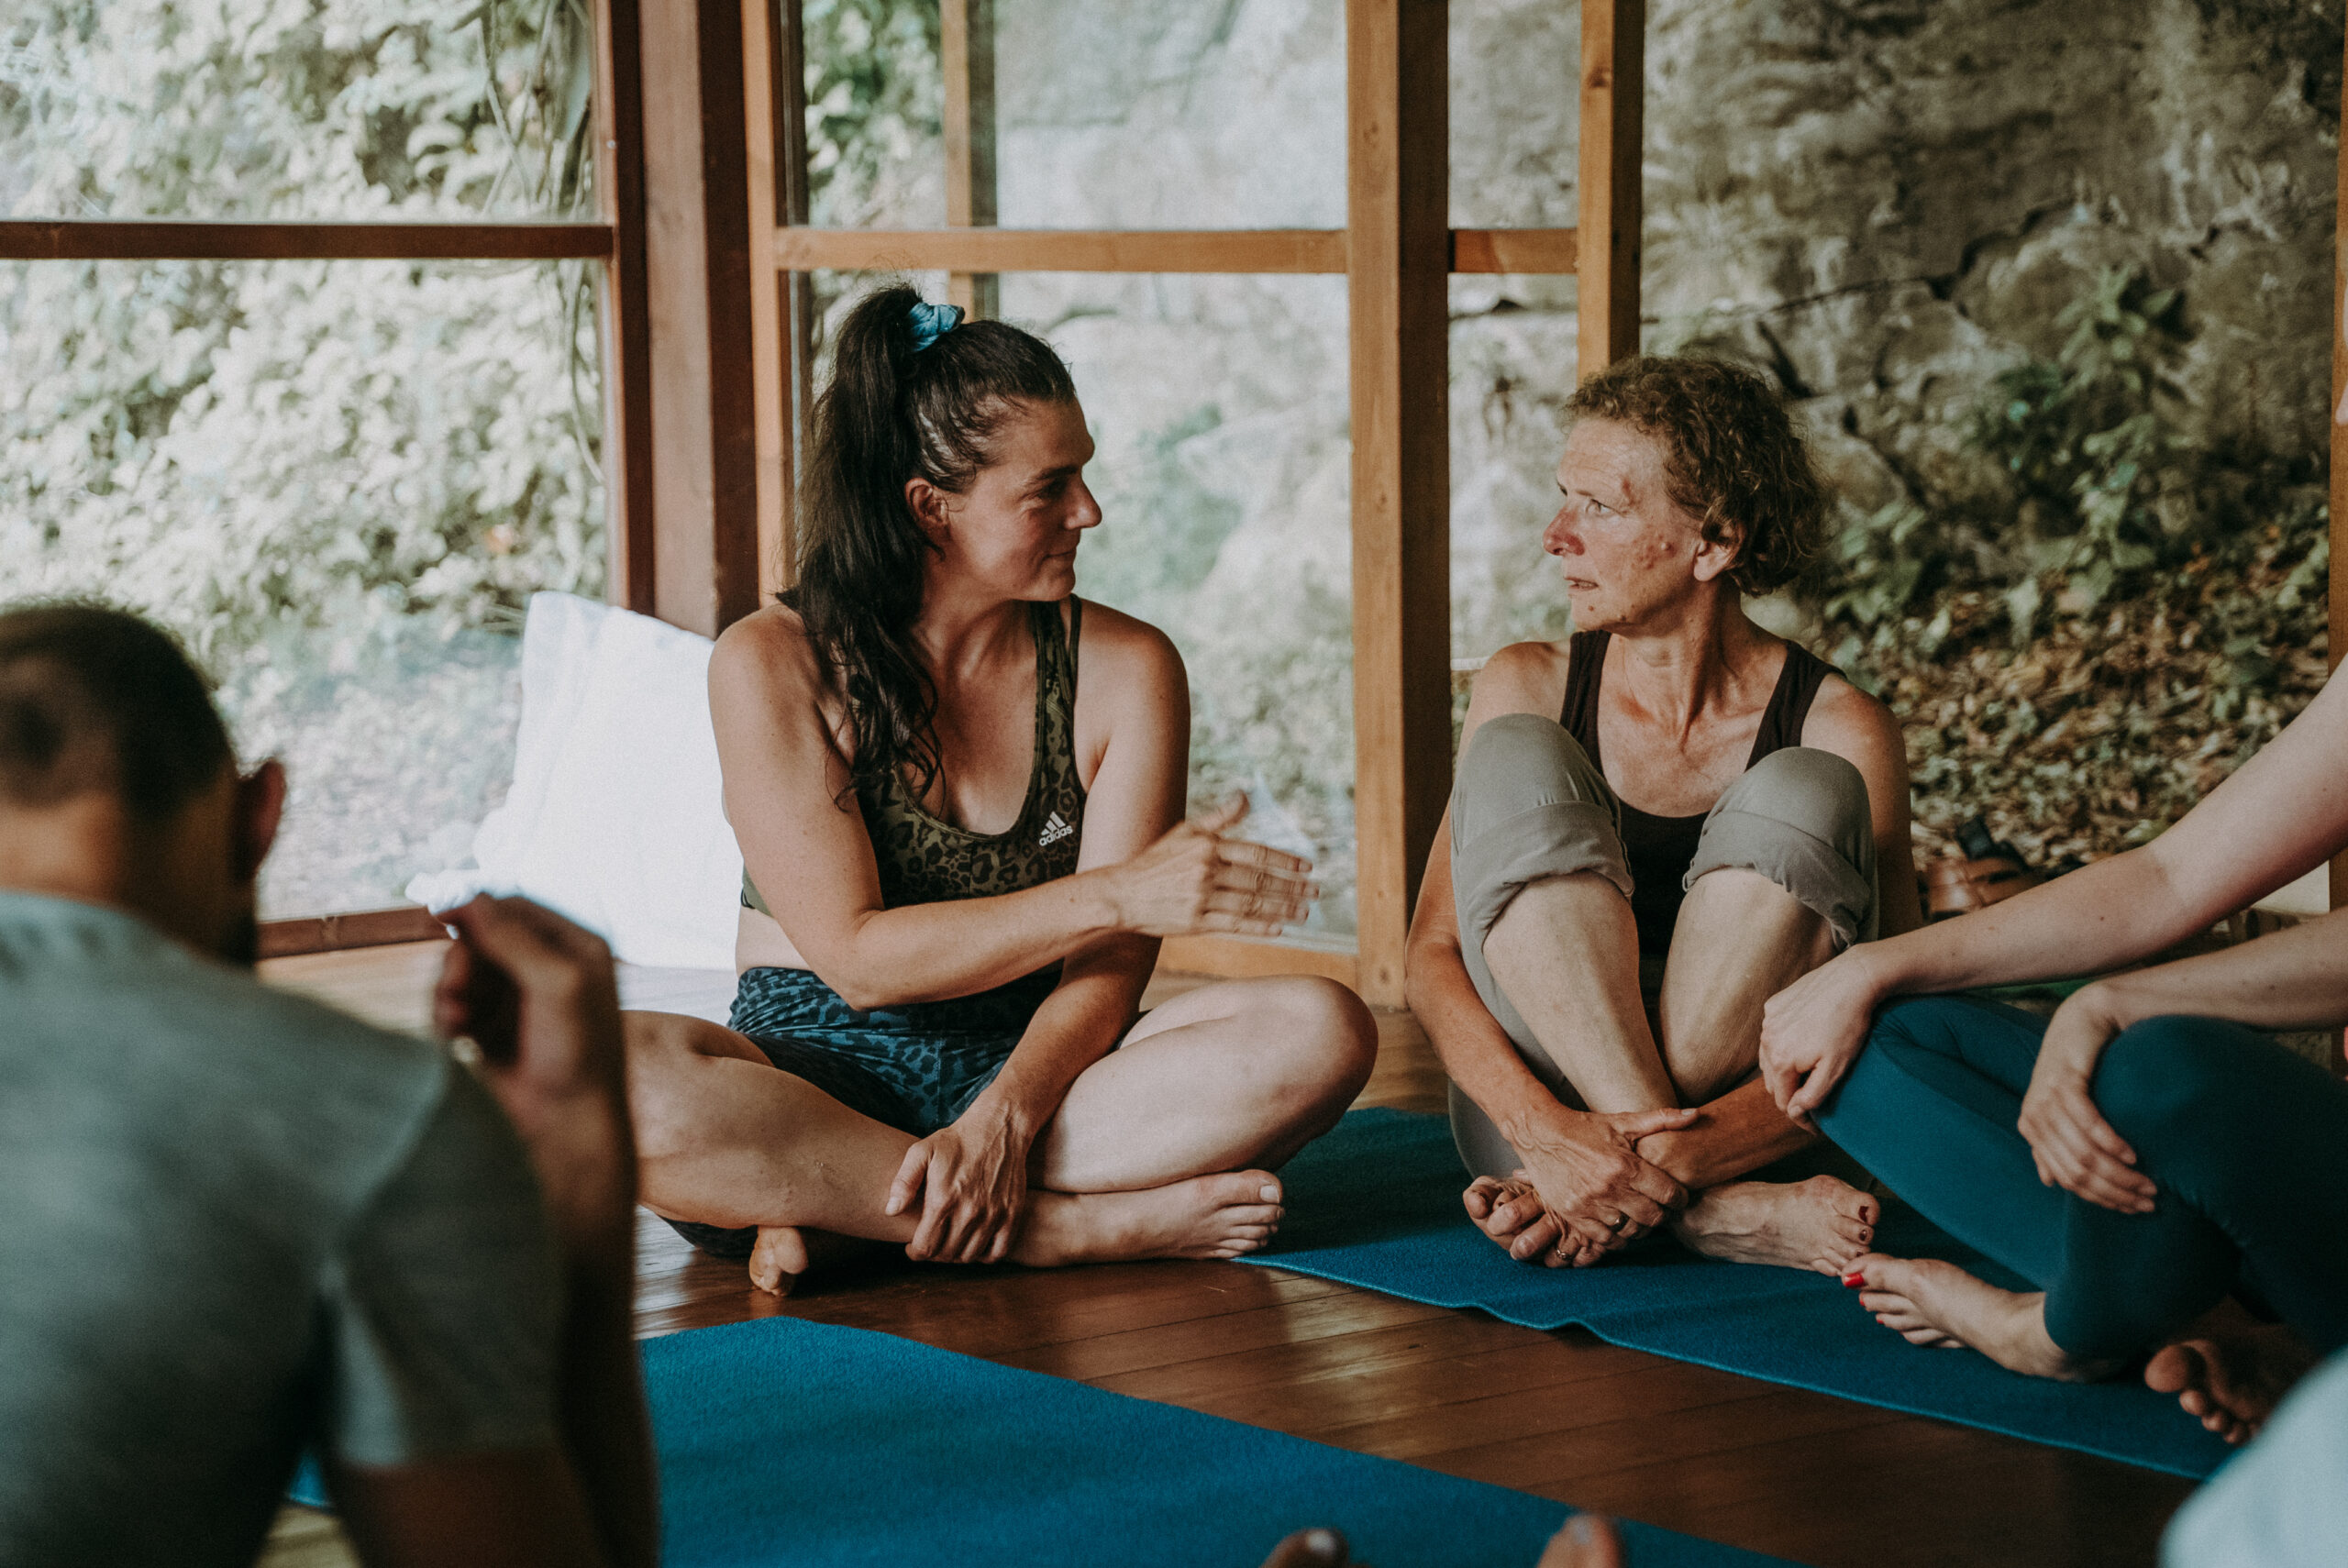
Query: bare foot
{"x": 1822, "y": 1224}
{"x": 2231, "y": 1381}
{"x": 1928, "y": 1302}
{"x": 779, "y": 1259}
{"x": 1587, "y": 1540}
{"x": 1223, "y": 1216}
{"x": 1512, "y": 1213}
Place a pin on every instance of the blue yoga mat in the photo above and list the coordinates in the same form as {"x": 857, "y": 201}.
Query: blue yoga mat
{"x": 1376, "y": 1203}
{"x": 790, "y": 1444}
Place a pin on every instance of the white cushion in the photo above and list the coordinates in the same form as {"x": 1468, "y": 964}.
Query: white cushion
{"x": 616, "y": 817}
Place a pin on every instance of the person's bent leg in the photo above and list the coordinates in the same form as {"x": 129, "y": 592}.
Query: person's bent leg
{"x": 1542, "y": 893}
{"x": 733, "y": 1142}
{"x": 1230, "y": 1076}
{"x": 1931, "y": 1106}
{"x": 1783, "y": 879}
{"x": 2244, "y": 1141}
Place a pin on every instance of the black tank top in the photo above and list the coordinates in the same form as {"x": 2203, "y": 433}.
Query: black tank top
{"x": 1660, "y": 849}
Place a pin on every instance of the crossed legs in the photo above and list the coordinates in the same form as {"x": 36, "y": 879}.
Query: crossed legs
{"x": 1164, "y": 1148}
{"x": 1566, "y": 952}
{"x": 1784, "y": 873}
{"x": 2240, "y": 1138}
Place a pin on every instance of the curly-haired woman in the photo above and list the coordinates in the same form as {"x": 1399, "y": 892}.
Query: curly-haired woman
{"x": 959, "y": 859}
{"x": 1657, "y": 822}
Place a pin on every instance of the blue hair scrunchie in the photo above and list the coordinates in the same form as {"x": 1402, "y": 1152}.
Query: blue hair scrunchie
{"x": 931, "y": 322}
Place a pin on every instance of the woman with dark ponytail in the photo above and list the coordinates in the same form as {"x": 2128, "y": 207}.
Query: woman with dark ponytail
{"x": 960, "y": 865}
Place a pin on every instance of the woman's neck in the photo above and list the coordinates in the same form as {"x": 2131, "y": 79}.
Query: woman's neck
{"x": 961, "y": 634}
{"x": 1707, "y": 659}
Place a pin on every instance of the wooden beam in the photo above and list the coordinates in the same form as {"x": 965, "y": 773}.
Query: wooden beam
{"x": 1250, "y": 957}
{"x": 1550, "y": 250}
{"x": 1513, "y": 249}
{"x": 624, "y": 308}
{"x": 1398, "y": 259}
{"x": 1613, "y": 117}
{"x": 169, "y": 239}
{"x": 2337, "y": 639}
{"x": 366, "y": 928}
{"x": 1061, "y": 251}
{"x": 706, "y": 543}
{"x": 965, "y": 48}
{"x": 769, "y": 59}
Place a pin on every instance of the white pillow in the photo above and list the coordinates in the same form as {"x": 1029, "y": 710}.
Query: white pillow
{"x": 616, "y": 817}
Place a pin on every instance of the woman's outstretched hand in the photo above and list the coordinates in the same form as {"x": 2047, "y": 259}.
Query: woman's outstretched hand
{"x": 1813, "y": 1029}
{"x": 1194, "y": 880}
{"x": 970, "y": 1179}
{"x": 2075, "y": 1147}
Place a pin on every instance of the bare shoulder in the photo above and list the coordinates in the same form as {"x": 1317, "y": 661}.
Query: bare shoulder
{"x": 767, "y": 659}
{"x": 1125, "y": 654}
{"x": 1523, "y": 678}
{"x": 1848, "y": 721}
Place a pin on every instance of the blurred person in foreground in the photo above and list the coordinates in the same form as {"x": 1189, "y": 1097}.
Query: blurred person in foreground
{"x": 1657, "y": 822}
{"x": 2173, "y": 1181}
{"x": 238, "y": 1223}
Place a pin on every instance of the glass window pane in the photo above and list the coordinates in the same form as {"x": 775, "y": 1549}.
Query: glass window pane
{"x": 364, "y": 109}
{"x": 339, "y": 482}
{"x": 1513, "y": 347}
{"x": 1219, "y": 408}
{"x": 1170, "y": 116}
{"x": 1515, "y": 113}
{"x": 876, "y": 147}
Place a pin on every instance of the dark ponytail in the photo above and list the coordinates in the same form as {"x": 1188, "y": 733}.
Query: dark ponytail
{"x": 891, "y": 413}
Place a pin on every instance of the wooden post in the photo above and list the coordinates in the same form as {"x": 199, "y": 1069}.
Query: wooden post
{"x": 2338, "y": 609}
{"x": 1613, "y": 115}
{"x": 965, "y": 40}
{"x": 775, "y": 117}
{"x": 1398, "y": 262}
{"x": 625, "y": 327}
{"x": 697, "y": 252}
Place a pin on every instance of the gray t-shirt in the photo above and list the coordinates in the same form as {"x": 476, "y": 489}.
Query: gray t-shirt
{"x": 232, "y": 1222}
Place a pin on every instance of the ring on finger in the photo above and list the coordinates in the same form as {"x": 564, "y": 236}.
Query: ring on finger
{"x": 1618, "y": 1221}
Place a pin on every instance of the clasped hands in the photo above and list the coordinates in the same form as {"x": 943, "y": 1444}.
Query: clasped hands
{"x": 1813, "y": 1029}
{"x": 1584, "y": 1190}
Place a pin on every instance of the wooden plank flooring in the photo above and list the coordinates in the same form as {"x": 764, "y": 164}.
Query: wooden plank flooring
{"x": 1799, "y": 1475}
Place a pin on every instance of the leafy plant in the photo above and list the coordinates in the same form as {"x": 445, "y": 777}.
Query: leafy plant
{"x": 2087, "y": 448}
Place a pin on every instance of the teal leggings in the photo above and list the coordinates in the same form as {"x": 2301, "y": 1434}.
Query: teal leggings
{"x": 2246, "y": 1143}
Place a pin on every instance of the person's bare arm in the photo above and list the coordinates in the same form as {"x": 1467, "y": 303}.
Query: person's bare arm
{"x": 971, "y": 1178}
{"x": 2280, "y": 815}
{"x": 537, "y": 996}
{"x": 805, "y": 846}
{"x": 1582, "y": 1164}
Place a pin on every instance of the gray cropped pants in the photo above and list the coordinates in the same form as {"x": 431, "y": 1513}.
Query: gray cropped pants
{"x": 1529, "y": 804}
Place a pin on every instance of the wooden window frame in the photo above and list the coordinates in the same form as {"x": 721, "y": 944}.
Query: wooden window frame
{"x": 1396, "y": 252}
{"x": 615, "y": 238}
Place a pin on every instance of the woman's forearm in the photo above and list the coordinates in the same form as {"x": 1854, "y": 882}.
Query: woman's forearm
{"x": 1079, "y": 1024}
{"x": 934, "y": 951}
{"x": 2292, "y": 979}
{"x": 2111, "y": 913}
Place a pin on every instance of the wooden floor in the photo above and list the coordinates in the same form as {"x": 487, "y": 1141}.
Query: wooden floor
{"x": 1799, "y": 1475}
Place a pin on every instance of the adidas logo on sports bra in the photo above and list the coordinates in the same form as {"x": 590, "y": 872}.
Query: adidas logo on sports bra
{"x": 1054, "y": 831}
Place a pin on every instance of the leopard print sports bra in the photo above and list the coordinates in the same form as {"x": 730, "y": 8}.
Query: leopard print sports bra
{"x": 924, "y": 861}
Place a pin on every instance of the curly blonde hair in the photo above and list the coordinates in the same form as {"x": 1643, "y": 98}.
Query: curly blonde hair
{"x": 1732, "y": 459}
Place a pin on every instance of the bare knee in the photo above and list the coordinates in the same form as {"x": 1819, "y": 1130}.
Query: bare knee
{"x": 1325, "y": 1038}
